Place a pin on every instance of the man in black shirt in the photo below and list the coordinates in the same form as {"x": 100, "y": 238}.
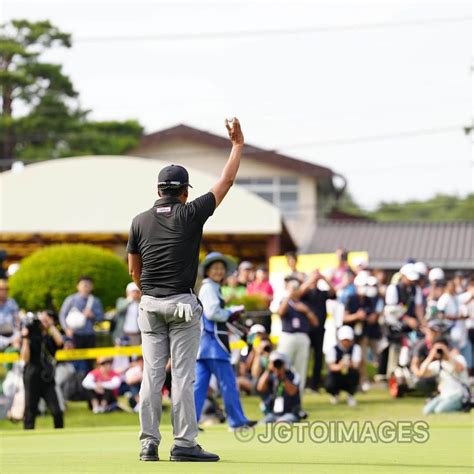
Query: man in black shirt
{"x": 316, "y": 299}
{"x": 163, "y": 254}
{"x": 40, "y": 340}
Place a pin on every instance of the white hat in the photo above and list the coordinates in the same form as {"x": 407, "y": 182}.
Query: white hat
{"x": 132, "y": 287}
{"x": 361, "y": 278}
{"x": 408, "y": 270}
{"x": 257, "y": 328}
{"x": 421, "y": 268}
{"x": 360, "y": 262}
{"x": 372, "y": 280}
{"x": 345, "y": 332}
{"x": 436, "y": 274}
{"x": 275, "y": 355}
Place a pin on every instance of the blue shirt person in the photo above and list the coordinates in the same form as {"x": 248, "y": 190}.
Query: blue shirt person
{"x": 214, "y": 351}
{"x": 85, "y": 302}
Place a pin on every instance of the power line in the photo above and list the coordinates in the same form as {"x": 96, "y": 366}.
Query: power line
{"x": 276, "y": 32}
{"x": 379, "y": 137}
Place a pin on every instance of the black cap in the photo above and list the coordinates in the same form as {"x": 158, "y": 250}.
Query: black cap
{"x": 173, "y": 176}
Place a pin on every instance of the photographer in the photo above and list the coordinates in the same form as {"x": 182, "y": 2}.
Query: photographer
{"x": 343, "y": 362}
{"x": 40, "y": 340}
{"x": 450, "y": 367}
{"x": 281, "y": 387}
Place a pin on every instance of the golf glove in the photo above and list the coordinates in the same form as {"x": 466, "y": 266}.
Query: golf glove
{"x": 184, "y": 311}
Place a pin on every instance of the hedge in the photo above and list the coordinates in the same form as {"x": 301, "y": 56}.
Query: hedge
{"x": 47, "y": 276}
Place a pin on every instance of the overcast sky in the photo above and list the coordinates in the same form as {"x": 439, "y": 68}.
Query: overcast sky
{"x": 384, "y": 105}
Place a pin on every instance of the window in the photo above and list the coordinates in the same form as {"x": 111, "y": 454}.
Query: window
{"x": 281, "y": 191}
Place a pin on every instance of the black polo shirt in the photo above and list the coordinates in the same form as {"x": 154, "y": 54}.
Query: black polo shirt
{"x": 168, "y": 237}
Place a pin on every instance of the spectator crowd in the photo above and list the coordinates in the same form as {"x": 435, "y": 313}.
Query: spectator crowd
{"x": 339, "y": 330}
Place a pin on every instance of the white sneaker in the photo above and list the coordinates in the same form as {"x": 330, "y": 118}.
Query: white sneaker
{"x": 365, "y": 386}
{"x": 334, "y": 399}
{"x": 351, "y": 401}
{"x": 96, "y": 410}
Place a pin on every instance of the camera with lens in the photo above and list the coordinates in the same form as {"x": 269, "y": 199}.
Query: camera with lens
{"x": 31, "y": 322}
{"x": 439, "y": 352}
{"x": 267, "y": 348}
{"x": 278, "y": 364}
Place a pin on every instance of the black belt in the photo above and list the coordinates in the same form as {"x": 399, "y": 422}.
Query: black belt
{"x": 166, "y": 292}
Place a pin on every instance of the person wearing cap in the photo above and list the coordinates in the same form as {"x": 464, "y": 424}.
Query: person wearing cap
{"x": 214, "y": 351}
{"x": 343, "y": 361}
{"x": 280, "y": 388}
{"x": 433, "y": 330}
{"x": 256, "y": 359}
{"x": 163, "y": 255}
{"x": 245, "y": 274}
{"x": 102, "y": 385}
{"x": 362, "y": 313}
{"x": 126, "y": 316}
{"x": 408, "y": 295}
{"x": 450, "y": 368}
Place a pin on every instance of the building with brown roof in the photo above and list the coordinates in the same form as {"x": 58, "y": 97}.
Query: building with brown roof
{"x": 298, "y": 188}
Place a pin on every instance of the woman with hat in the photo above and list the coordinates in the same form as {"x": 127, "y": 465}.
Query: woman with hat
{"x": 214, "y": 352}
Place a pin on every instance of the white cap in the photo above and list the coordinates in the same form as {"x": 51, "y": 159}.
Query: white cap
{"x": 345, "y": 332}
{"x": 275, "y": 355}
{"x": 408, "y": 270}
{"x": 132, "y": 287}
{"x": 12, "y": 269}
{"x": 372, "y": 280}
{"x": 436, "y": 274}
{"x": 360, "y": 262}
{"x": 361, "y": 278}
{"x": 421, "y": 268}
{"x": 257, "y": 328}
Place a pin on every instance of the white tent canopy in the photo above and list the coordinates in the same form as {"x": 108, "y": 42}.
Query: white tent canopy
{"x": 101, "y": 194}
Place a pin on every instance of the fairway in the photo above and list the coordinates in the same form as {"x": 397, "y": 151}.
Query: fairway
{"x": 108, "y": 444}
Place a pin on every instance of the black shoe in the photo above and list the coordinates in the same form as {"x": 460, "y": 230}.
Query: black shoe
{"x": 194, "y": 454}
{"x": 149, "y": 453}
{"x": 251, "y": 423}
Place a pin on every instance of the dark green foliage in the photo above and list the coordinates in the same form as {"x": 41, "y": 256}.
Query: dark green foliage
{"x": 47, "y": 276}
{"x": 54, "y": 126}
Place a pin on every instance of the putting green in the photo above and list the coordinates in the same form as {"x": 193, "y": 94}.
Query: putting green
{"x": 105, "y": 444}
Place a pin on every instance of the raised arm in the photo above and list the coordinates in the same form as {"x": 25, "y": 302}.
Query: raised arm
{"x": 221, "y": 188}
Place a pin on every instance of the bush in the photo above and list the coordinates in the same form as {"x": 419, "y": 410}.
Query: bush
{"x": 251, "y": 302}
{"x": 47, "y": 276}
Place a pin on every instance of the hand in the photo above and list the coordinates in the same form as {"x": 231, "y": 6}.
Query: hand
{"x": 361, "y": 315}
{"x": 25, "y": 332}
{"x": 412, "y": 323}
{"x": 316, "y": 276}
{"x": 69, "y": 332}
{"x": 235, "y": 133}
{"x": 99, "y": 389}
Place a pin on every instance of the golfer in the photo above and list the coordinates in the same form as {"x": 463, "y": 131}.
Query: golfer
{"x": 163, "y": 251}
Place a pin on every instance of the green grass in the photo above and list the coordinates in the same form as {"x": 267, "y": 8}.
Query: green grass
{"x": 109, "y": 443}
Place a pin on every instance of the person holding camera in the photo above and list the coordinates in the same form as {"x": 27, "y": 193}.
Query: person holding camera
{"x": 214, "y": 351}
{"x": 280, "y": 386}
{"x": 450, "y": 367}
{"x": 296, "y": 319}
{"x": 343, "y": 361}
{"x": 40, "y": 341}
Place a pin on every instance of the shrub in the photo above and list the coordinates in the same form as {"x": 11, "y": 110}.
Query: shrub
{"x": 251, "y": 302}
{"x": 47, "y": 276}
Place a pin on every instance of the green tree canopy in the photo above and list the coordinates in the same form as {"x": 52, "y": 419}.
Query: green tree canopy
{"x": 52, "y": 124}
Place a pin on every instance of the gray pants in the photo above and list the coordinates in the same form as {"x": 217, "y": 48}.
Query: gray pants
{"x": 165, "y": 335}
